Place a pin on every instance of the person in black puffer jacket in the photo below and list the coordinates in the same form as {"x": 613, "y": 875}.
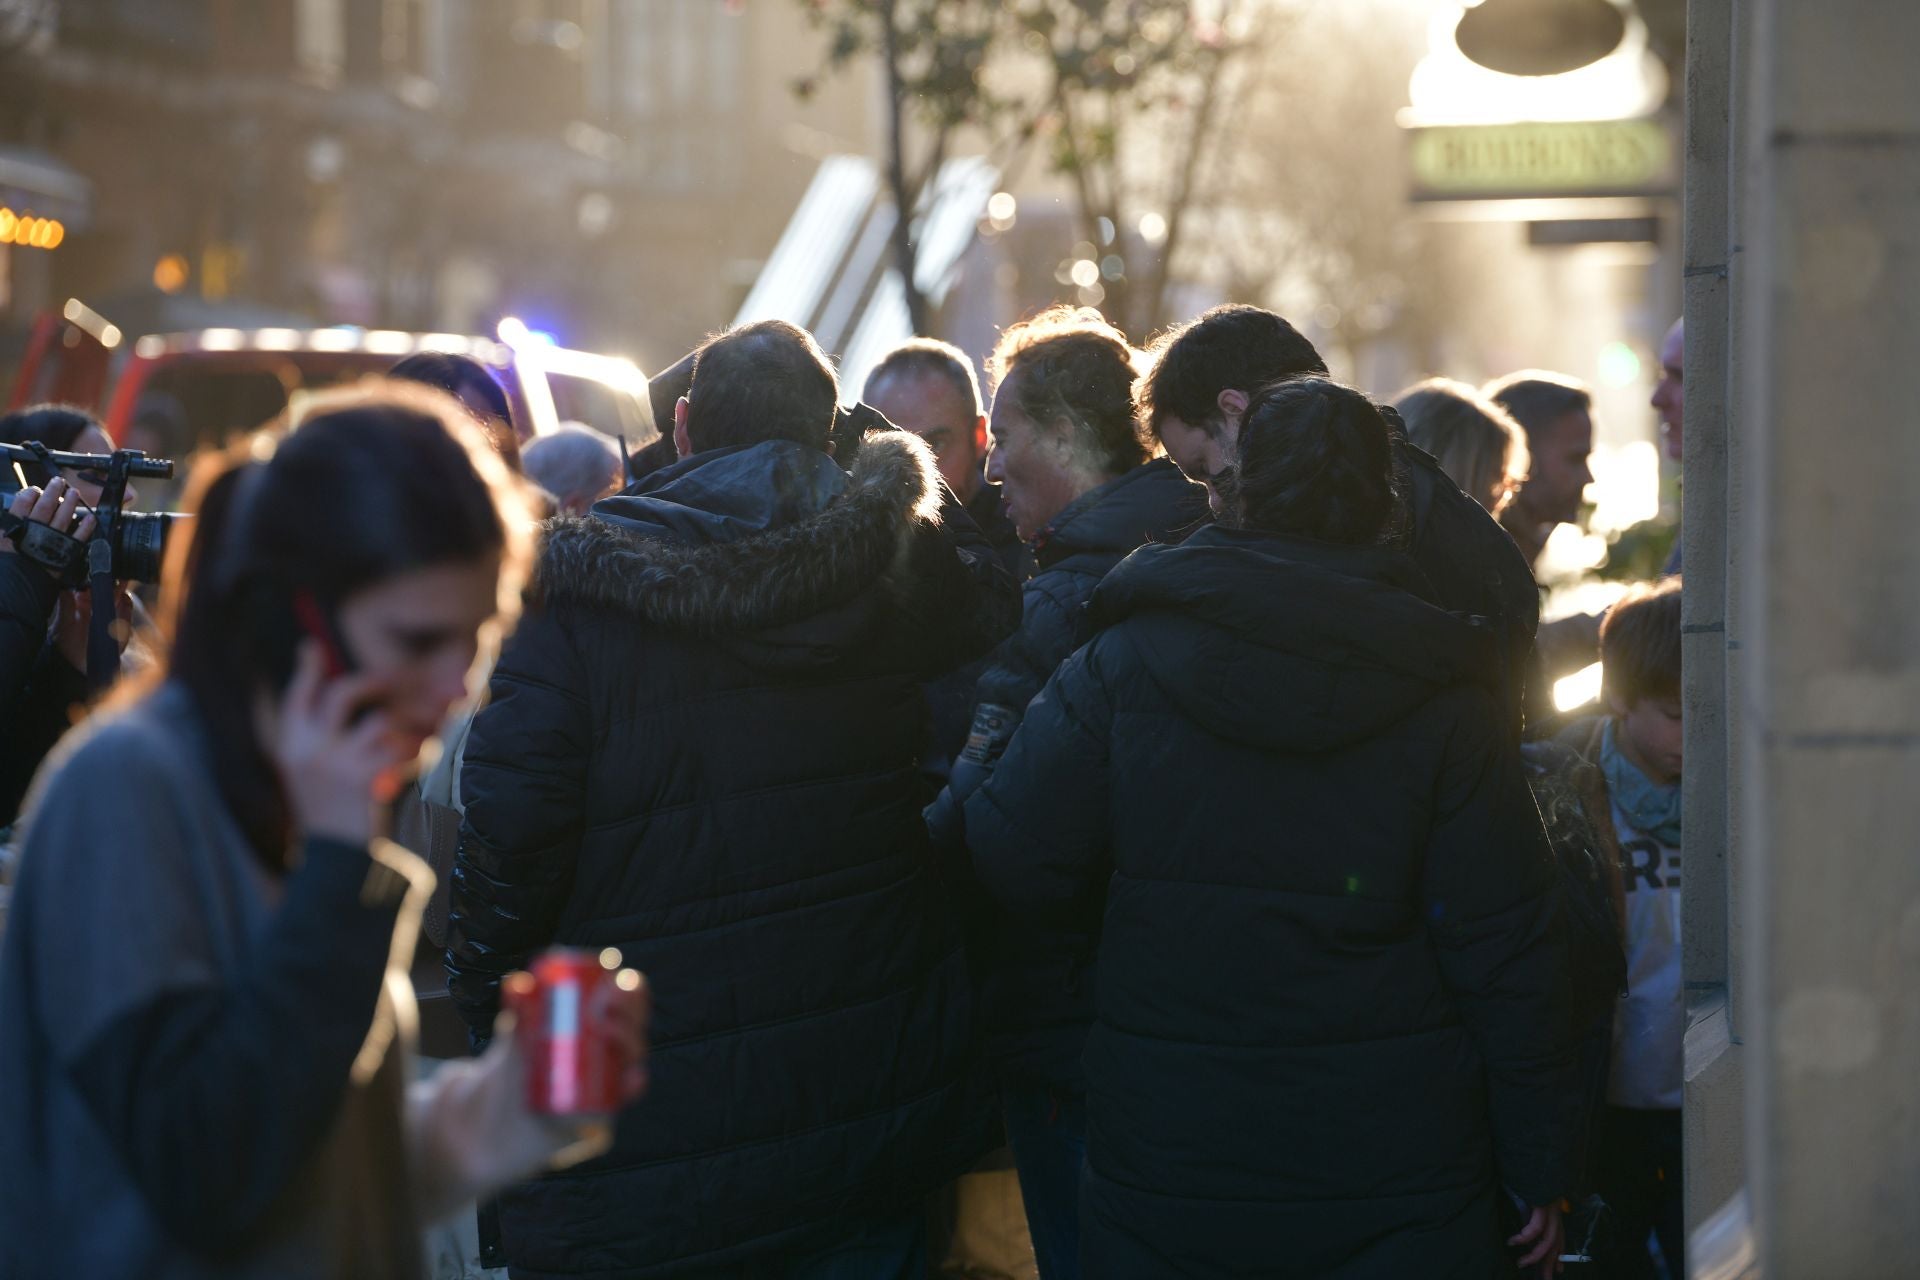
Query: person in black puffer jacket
{"x": 1204, "y": 372}
{"x": 1328, "y": 1031}
{"x": 701, "y": 749}
{"x": 929, "y": 388}
{"x": 1081, "y": 487}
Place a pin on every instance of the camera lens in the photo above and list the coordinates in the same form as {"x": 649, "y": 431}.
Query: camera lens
{"x": 142, "y": 546}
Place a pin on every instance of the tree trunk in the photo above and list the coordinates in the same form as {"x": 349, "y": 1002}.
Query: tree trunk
{"x": 905, "y": 254}
{"x": 1153, "y": 296}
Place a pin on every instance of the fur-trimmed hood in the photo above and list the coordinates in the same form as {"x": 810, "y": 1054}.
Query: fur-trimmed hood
{"x": 747, "y": 540}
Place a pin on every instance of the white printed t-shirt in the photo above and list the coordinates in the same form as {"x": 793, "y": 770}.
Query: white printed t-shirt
{"x": 1650, "y": 1024}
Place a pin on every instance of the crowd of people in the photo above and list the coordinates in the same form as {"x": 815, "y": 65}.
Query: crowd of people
{"x": 1131, "y": 787}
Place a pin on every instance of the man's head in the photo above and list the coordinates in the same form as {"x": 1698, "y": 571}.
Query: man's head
{"x": 574, "y": 463}
{"x": 1063, "y": 420}
{"x": 1669, "y": 394}
{"x": 1640, "y": 654}
{"x": 763, "y": 381}
{"x": 1557, "y": 414}
{"x": 929, "y": 388}
{"x": 1204, "y": 373}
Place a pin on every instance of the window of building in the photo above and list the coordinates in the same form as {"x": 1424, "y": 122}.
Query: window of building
{"x": 679, "y": 58}
{"x": 413, "y": 38}
{"x": 320, "y": 38}
{"x": 639, "y": 86}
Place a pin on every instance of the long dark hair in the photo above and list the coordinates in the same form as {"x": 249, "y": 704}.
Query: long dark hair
{"x": 478, "y": 391}
{"x": 375, "y": 481}
{"x": 1317, "y": 460}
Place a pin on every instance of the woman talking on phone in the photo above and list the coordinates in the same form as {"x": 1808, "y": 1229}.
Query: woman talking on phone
{"x": 204, "y": 1020}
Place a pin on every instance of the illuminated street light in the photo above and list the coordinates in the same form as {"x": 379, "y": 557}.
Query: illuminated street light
{"x": 170, "y": 273}
{"x": 1449, "y": 88}
{"x": 1540, "y": 37}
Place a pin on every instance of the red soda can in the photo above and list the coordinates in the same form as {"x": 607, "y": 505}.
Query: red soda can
{"x": 573, "y": 1066}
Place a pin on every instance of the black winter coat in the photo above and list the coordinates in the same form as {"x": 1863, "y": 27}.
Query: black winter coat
{"x": 950, "y": 698}
{"x": 38, "y": 690}
{"x": 701, "y": 749}
{"x": 1473, "y": 566}
{"x": 1326, "y": 1026}
{"x": 1035, "y": 1000}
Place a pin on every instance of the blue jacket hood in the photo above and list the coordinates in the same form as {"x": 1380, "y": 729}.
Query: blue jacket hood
{"x": 724, "y": 495}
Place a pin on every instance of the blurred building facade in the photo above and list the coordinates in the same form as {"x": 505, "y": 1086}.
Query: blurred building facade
{"x": 419, "y": 164}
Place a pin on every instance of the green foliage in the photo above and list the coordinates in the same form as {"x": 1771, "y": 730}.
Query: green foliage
{"x": 1639, "y": 553}
{"x": 939, "y": 49}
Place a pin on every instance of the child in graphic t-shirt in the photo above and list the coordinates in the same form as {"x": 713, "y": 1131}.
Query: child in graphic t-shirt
{"x": 1637, "y": 748}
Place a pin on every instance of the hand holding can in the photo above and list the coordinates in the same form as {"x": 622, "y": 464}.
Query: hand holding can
{"x": 580, "y": 1020}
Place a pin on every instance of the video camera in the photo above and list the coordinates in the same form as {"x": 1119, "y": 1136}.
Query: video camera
{"x": 125, "y": 545}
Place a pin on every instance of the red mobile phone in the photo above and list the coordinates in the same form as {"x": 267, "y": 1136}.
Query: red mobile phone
{"x": 319, "y": 625}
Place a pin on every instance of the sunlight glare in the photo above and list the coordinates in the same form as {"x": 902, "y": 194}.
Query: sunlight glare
{"x": 1450, "y": 88}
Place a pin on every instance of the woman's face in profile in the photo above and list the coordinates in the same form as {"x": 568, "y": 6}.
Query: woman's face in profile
{"x": 419, "y": 633}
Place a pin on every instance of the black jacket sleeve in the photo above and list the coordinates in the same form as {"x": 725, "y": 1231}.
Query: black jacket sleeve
{"x": 957, "y": 598}
{"x": 1489, "y": 906}
{"x": 1050, "y": 628}
{"x": 27, "y": 597}
{"x": 1039, "y": 827}
{"x": 40, "y": 715}
{"x": 37, "y": 687}
{"x": 523, "y": 784}
{"x": 216, "y": 1096}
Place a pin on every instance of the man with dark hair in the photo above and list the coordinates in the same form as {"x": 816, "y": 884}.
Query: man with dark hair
{"x": 700, "y": 748}
{"x": 1557, "y": 414}
{"x": 762, "y": 381}
{"x": 1193, "y": 398}
{"x": 1202, "y": 376}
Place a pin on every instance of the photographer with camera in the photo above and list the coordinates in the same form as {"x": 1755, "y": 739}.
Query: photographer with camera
{"x": 44, "y": 622}
{"x": 205, "y": 1028}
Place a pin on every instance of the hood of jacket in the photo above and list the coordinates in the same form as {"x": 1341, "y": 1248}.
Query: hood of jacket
{"x": 1287, "y": 644}
{"x": 770, "y": 544}
{"x": 1153, "y": 502}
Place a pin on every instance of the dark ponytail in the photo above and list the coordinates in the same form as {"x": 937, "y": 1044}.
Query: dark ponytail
{"x": 372, "y": 482}
{"x": 1316, "y": 460}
